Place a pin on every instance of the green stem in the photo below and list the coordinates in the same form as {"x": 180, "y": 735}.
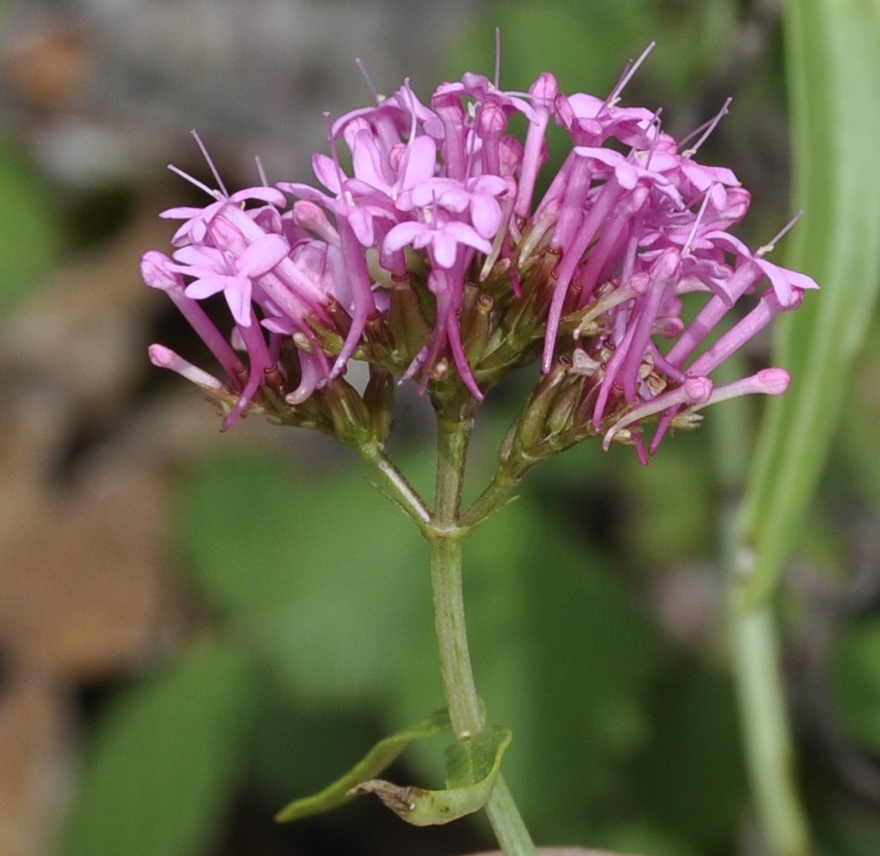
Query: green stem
{"x": 766, "y": 733}
{"x": 767, "y": 739}
{"x": 394, "y": 482}
{"x": 465, "y": 711}
{"x": 507, "y": 823}
{"x": 497, "y": 492}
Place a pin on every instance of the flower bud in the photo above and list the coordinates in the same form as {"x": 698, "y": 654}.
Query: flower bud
{"x": 349, "y": 414}
{"x": 379, "y": 402}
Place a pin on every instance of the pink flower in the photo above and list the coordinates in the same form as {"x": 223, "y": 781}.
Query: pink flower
{"x": 435, "y": 259}
{"x": 212, "y": 270}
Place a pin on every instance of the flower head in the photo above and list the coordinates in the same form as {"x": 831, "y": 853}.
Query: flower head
{"x": 435, "y": 259}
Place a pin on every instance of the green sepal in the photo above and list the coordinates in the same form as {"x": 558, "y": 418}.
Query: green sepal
{"x": 372, "y": 764}
{"x": 472, "y": 767}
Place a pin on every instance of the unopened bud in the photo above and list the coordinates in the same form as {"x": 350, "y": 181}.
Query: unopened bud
{"x": 351, "y": 420}
{"x": 476, "y": 335}
{"x": 533, "y": 421}
{"x": 407, "y": 322}
{"x": 379, "y": 402}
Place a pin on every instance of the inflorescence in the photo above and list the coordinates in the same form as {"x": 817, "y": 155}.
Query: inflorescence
{"x": 437, "y": 259}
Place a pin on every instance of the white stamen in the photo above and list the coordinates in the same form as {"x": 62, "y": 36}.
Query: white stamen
{"x": 628, "y": 71}
{"x": 210, "y": 163}
{"x": 688, "y": 244}
{"x": 706, "y": 129}
{"x": 214, "y": 194}
{"x": 261, "y": 171}
{"x": 761, "y": 251}
{"x": 362, "y": 68}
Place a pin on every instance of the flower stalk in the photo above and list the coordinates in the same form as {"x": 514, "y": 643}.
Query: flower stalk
{"x": 394, "y": 482}
{"x": 446, "y": 537}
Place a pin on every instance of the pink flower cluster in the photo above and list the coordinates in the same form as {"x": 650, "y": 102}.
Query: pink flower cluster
{"x": 436, "y": 257}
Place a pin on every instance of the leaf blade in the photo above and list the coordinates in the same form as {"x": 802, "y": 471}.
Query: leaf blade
{"x": 832, "y": 57}
{"x": 466, "y": 793}
{"x": 374, "y": 762}
{"x": 165, "y": 762}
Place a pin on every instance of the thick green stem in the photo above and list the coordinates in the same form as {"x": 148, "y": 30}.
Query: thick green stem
{"x": 453, "y": 439}
{"x": 767, "y": 739}
{"x": 766, "y": 732}
{"x": 465, "y": 711}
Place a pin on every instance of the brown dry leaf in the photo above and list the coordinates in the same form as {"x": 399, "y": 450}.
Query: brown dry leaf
{"x": 84, "y": 590}
{"x": 82, "y": 333}
{"x": 34, "y": 762}
{"x": 49, "y": 66}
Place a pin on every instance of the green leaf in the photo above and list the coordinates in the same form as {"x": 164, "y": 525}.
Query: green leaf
{"x": 472, "y": 761}
{"x": 847, "y": 827}
{"x": 857, "y": 683}
{"x": 321, "y": 577}
{"x": 690, "y": 781}
{"x": 832, "y": 53}
{"x": 372, "y": 764}
{"x": 165, "y": 761}
{"x": 473, "y": 766}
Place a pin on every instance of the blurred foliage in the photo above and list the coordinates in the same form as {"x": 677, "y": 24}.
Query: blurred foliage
{"x": 30, "y": 224}
{"x": 857, "y": 683}
{"x": 167, "y": 759}
{"x": 586, "y": 44}
{"x": 319, "y": 608}
{"x": 318, "y": 577}
{"x": 833, "y": 60}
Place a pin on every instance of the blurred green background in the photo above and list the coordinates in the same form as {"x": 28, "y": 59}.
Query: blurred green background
{"x": 301, "y": 627}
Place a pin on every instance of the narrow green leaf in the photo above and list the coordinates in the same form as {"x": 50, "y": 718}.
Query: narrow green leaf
{"x": 473, "y": 768}
{"x": 373, "y": 763}
{"x": 833, "y": 51}
{"x": 165, "y": 762}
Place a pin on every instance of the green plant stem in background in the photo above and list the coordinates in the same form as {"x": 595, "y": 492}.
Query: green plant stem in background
{"x": 465, "y": 712}
{"x": 758, "y": 676}
{"x": 766, "y": 732}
